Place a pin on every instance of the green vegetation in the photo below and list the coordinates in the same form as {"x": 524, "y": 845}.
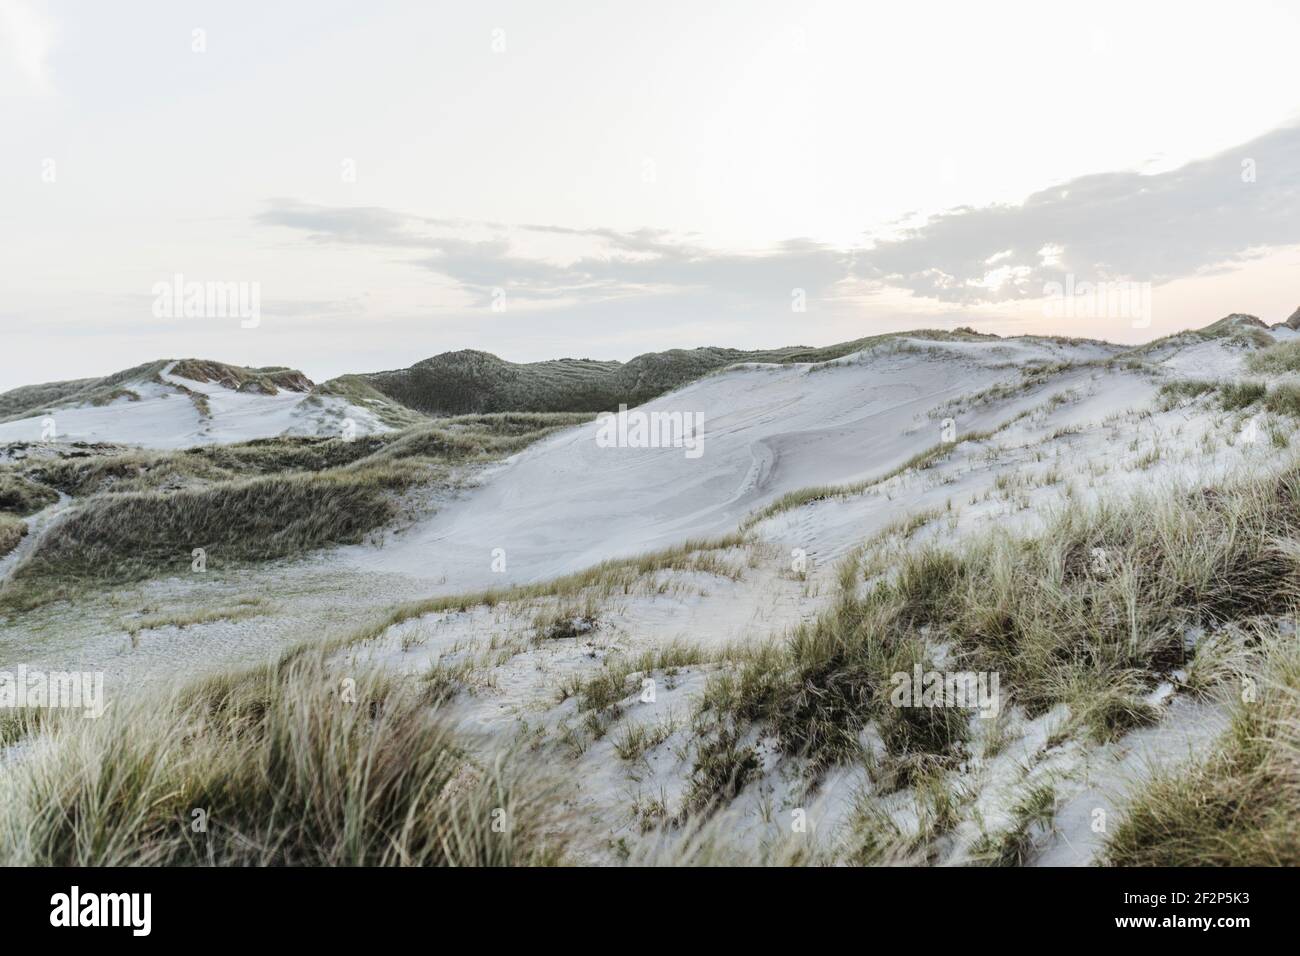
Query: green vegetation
{"x": 1234, "y": 396}
{"x": 1089, "y": 614}
{"x": 1276, "y": 359}
{"x": 31, "y": 400}
{"x": 18, "y": 723}
{"x": 140, "y": 471}
{"x": 1238, "y": 807}
{"x": 145, "y": 512}
{"x": 112, "y": 395}
{"x": 234, "y": 611}
{"x": 20, "y": 496}
{"x": 127, "y": 537}
{"x": 466, "y": 439}
{"x": 355, "y": 390}
{"x": 267, "y": 381}
{"x": 1283, "y": 399}
{"x": 819, "y": 689}
{"x": 1237, "y": 330}
{"x": 12, "y": 531}
{"x": 284, "y": 765}
{"x": 613, "y": 683}
{"x": 920, "y": 461}
{"x": 1247, "y": 329}
{"x": 1033, "y": 811}
{"x": 1171, "y": 393}
{"x": 302, "y": 763}
{"x": 609, "y": 578}
{"x": 456, "y": 383}
{"x": 1031, "y": 377}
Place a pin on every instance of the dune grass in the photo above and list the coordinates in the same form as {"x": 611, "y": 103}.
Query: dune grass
{"x": 12, "y": 531}
{"x": 355, "y": 390}
{"x": 237, "y": 610}
{"x": 919, "y": 462}
{"x": 1171, "y": 393}
{"x": 1109, "y": 591}
{"x": 20, "y": 496}
{"x": 466, "y": 439}
{"x": 31, "y": 400}
{"x": 612, "y": 684}
{"x": 1090, "y": 614}
{"x": 820, "y": 688}
{"x": 267, "y": 381}
{"x": 145, "y": 513}
{"x": 130, "y": 537}
{"x": 1281, "y": 399}
{"x": 1238, "y": 806}
{"x": 581, "y": 591}
{"x": 1234, "y": 396}
{"x": 458, "y": 383}
{"x": 1275, "y": 360}
{"x": 290, "y": 764}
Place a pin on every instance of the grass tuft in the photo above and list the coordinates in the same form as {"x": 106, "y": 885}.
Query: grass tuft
{"x": 290, "y": 765}
{"x": 1238, "y": 807}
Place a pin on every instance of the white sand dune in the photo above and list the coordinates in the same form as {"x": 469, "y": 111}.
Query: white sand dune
{"x": 568, "y": 503}
{"x": 164, "y": 417}
{"x": 1088, "y": 431}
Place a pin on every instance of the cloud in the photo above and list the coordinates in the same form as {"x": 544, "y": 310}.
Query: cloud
{"x": 483, "y": 256}
{"x": 1203, "y": 216}
{"x": 1207, "y": 215}
{"x": 26, "y": 38}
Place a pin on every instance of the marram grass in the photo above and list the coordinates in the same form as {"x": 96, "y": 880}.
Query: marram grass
{"x": 293, "y": 764}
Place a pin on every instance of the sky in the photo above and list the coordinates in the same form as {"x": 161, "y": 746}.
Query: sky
{"x": 393, "y": 180}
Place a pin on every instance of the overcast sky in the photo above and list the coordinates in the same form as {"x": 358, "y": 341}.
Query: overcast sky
{"x": 550, "y": 179}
